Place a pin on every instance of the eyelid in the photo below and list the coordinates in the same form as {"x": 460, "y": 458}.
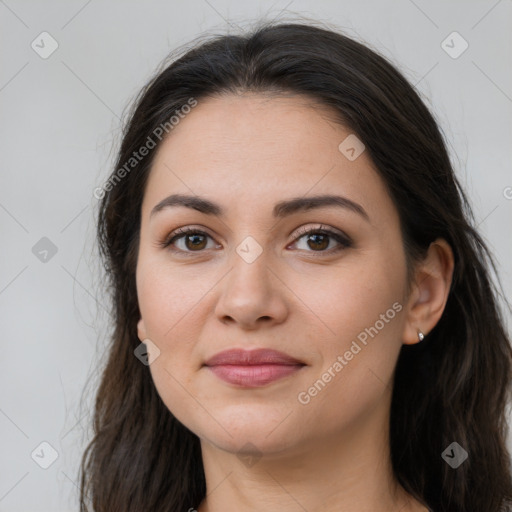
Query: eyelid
{"x": 305, "y": 229}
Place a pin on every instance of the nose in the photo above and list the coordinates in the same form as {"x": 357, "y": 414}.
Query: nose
{"x": 252, "y": 295}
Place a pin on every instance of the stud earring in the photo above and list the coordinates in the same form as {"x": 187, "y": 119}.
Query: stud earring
{"x": 421, "y": 336}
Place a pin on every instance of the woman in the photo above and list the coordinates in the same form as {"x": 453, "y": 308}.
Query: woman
{"x": 284, "y": 233}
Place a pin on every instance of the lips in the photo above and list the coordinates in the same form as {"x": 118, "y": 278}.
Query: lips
{"x": 252, "y": 368}
{"x": 251, "y": 357}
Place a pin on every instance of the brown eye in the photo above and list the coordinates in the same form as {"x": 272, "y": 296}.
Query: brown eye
{"x": 195, "y": 241}
{"x": 187, "y": 240}
{"x": 318, "y": 241}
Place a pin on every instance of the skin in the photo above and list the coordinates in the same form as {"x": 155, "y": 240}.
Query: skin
{"x": 247, "y": 153}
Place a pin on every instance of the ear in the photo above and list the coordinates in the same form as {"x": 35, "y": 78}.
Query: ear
{"x": 141, "y": 330}
{"x": 429, "y": 293}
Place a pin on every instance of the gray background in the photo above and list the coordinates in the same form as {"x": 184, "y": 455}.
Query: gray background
{"x": 60, "y": 119}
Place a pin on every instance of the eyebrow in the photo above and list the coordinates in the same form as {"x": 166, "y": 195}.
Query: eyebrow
{"x": 281, "y": 209}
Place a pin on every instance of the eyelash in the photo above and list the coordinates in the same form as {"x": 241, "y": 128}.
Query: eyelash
{"x": 344, "y": 241}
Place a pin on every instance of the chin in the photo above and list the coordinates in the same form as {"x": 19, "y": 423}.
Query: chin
{"x": 265, "y": 429}
{"x": 251, "y": 441}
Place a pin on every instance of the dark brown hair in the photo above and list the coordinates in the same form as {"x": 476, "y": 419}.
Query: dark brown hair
{"x": 454, "y": 386}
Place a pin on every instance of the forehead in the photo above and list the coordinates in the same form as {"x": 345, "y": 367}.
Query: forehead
{"x": 251, "y": 149}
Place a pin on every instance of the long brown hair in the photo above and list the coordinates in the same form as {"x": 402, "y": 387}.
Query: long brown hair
{"x": 452, "y": 387}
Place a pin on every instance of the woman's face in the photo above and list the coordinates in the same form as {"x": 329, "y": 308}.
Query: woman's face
{"x": 248, "y": 276}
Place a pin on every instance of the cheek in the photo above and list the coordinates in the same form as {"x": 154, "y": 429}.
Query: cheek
{"x": 168, "y": 301}
{"x": 358, "y": 356}
{"x": 167, "y": 297}
{"x": 361, "y": 312}
{"x": 352, "y": 299}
